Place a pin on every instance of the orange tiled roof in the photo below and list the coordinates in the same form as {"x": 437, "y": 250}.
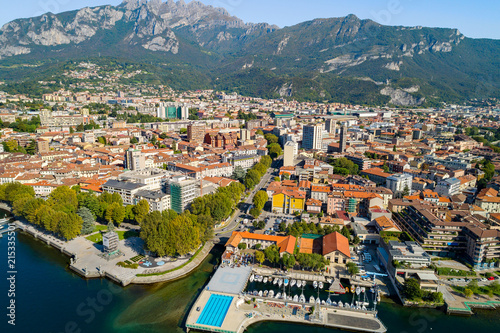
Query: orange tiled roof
{"x": 285, "y": 244}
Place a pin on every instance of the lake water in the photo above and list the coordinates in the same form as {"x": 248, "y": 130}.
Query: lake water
{"x": 50, "y": 298}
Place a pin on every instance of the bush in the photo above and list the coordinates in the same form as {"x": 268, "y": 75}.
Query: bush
{"x": 242, "y": 246}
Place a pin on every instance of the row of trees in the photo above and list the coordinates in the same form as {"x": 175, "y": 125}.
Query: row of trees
{"x": 67, "y": 212}
{"x": 314, "y": 261}
{"x": 57, "y": 214}
{"x": 259, "y": 201}
{"x": 220, "y": 204}
{"x": 168, "y": 233}
{"x": 255, "y": 174}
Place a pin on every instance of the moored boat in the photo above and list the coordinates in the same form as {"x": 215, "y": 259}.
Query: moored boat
{"x": 271, "y": 293}
{"x": 311, "y": 299}
{"x": 286, "y": 281}
{"x": 265, "y": 280}
{"x": 252, "y": 278}
{"x": 299, "y": 283}
{"x": 296, "y": 298}
{"x": 320, "y": 285}
{"x": 292, "y": 283}
{"x": 315, "y": 284}
{"x": 302, "y": 298}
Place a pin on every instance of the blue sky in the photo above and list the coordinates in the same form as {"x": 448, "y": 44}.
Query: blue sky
{"x": 478, "y": 19}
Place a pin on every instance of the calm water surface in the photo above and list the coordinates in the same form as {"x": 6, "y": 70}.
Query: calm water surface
{"x": 50, "y": 298}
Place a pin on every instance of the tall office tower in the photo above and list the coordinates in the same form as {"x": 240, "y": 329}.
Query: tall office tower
{"x": 134, "y": 160}
{"x": 343, "y": 139}
{"x": 173, "y": 111}
{"x": 183, "y": 191}
{"x": 290, "y": 152}
{"x": 196, "y": 132}
{"x": 330, "y": 126}
{"x": 312, "y": 137}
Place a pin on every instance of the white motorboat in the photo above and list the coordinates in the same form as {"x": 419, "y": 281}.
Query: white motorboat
{"x": 266, "y": 292}
{"x": 260, "y": 278}
{"x": 304, "y": 283}
{"x": 320, "y": 285}
{"x": 296, "y": 298}
{"x": 318, "y": 301}
{"x": 284, "y": 296}
{"x": 252, "y": 278}
{"x": 299, "y": 283}
{"x": 255, "y": 293}
{"x": 334, "y": 303}
{"x": 265, "y": 280}
{"x": 328, "y": 301}
{"x": 312, "y": 299}
{"x": 260, "y": 293}
{"x": 358, "y": 290}
{"x": 271, "y": 293}
{"x": 315, "y": 284}
{"x": 286, "y": 281}
{"x": 341, "y": 305}
{"x": 275, "y": 281}
{"x": 329, "y": 280}
{"x": 323, "y": 302}
{"x": 292, "y": 283}
{"x": 278, "y": 295}
{"x": 302, "y": 298}
{"x": 280, "y": 282}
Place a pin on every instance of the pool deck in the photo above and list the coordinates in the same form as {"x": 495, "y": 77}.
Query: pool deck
{"x": 242, "y": 315}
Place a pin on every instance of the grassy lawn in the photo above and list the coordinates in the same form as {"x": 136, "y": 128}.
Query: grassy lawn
{"x": 97, "y": 238}
{"x": 453, "y": 272}
{"x": 100, "y": 227}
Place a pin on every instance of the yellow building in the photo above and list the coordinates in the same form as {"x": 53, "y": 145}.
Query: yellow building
{"x": 288, "y": 201}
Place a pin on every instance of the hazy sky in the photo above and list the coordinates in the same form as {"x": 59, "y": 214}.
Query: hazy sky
{"x": 478, "y": 19}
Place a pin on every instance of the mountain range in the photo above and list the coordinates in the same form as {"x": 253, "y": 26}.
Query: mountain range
{"x": 195, "y": 46}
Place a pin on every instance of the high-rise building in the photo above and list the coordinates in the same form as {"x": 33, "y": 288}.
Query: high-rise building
{"x": 182, "y": 192}
{"x": 330, "y": 126}
{"x": 173, "y": 111}
{"x": 196, "y": 132}
{"x": 312, "y": 137}
{"x": 343, "y": 139}
{"x": 290, "y": 152}
{"x": 134, "y": 160}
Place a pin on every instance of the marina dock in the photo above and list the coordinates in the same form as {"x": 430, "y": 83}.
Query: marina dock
{"x": 223, "y": 307}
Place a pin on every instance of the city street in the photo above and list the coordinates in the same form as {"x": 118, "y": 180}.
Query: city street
{"x": 240, "y": 214}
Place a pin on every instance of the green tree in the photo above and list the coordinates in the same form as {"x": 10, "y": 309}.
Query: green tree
{"x": 271, "y": 138}
{"x": 259, "y": 132}
{"x": 239, "y": 174}
{"x": 275, "y": 150}
{"x": 288, "y": 260}
{"x": 260, "y": 256}
{"x": 352, "y": 268}
{"x": 88, "y": 220}
{"x": 70, "y": 226}
{"x": 140, "y": 210}
{"x": 260, "y": 199}
{"x": 468, "y": 293}
{"x": 346, "y": 233}
{"x": 63, "y": 199}
{"x": 411, "y": 288}
{"x": 272, "y": 254}
{"x": 134, "y": 140}
{"x": 242, "y": 246}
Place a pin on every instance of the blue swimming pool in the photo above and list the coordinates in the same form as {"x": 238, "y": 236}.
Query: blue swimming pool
{"x": 215, "y": 310}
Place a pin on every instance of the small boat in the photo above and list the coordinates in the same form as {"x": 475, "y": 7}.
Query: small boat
{"x": 346, "y": 289}
{"x": 304, "y": 283}
{"x": 266, "y": 292}
{"x": 260, "y": 278}
{"x": 280, "y": 282}
{"x": 275, "y": 281}
{"x": 323, "y": 302}
{"x": 363, "y": 289}
{"x": 296, "y": 298}
{"x": 311, "y": 299}
{"x": 318, "y": 301}
{"x": 320, "y": 285}
{"x": 363, "y": 308}
{"x": 372, "y": 290}
{"x": 252, "y": 278}
{"x": 260, "y": 293}
{"x": 353, "y": 290}
{"x": 334, "y": 303}
{"x": 292, "y": 283}
{"x": 278, "y": 295}
{"x": 302, "y": 298}
{"x": 315, "y": 284}
{"x": 286, "y": 281}
{"x": 358, "y": 290}
{"x": 329, "y": 280}
{"x": 265, "y": 280}
{"x": 299, "y": 283}
{"x": 255, "y": 293}
{"x": 271, "y": 293}
{"x": 346, "y": 305}
{"x": 341, "y": 305}
{"x": 329, "y": 301}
